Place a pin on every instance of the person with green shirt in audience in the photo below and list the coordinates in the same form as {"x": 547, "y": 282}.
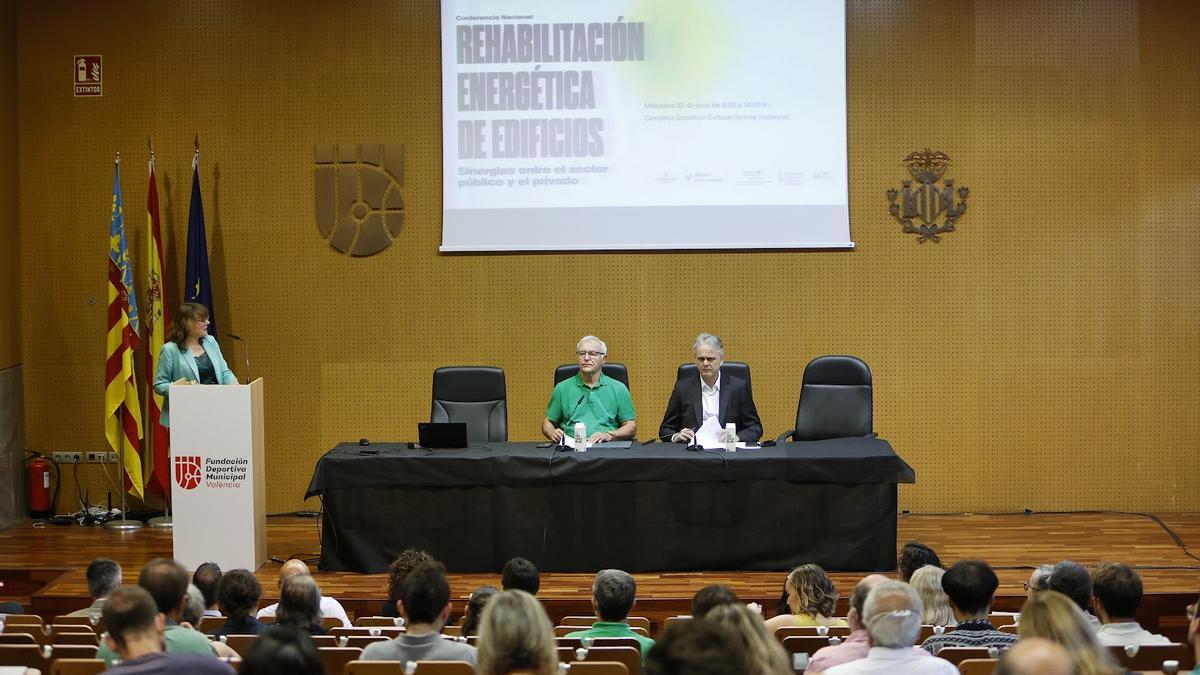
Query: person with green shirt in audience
{"x": 600, "y": 402}
{"x": 613, "y": 593}
{"x": 167, "y": 582}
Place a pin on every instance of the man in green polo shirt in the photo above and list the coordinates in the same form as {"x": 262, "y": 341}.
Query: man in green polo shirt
{"x": 613, "y": 593}
{"x": 600, "y": 402}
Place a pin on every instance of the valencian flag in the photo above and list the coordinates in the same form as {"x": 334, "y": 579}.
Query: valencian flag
{"x": 123, "y": 414}
{"x": 158, "y": 471}
{"x": 197, "y": 285}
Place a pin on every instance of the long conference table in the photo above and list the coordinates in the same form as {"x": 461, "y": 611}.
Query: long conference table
{"x": 657, "y": 507}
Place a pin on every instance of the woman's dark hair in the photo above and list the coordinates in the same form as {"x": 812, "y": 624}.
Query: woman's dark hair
{"x": 238, "y": 593}
{"x": 282, "y": 651}
{"x": 400, "y": 568}
{"x": 470, "y": 622}
{"x": 186, "y": 314}
{"x": 299, "y": 603}
{"x": 913, "y": 557}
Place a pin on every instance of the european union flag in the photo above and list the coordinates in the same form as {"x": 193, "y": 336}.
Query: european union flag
{"x": 197, "y": 284}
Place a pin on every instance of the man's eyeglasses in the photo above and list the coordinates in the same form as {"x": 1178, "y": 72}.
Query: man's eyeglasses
{"x": 1026, "y": 586}
{"x": 589, "y": 354}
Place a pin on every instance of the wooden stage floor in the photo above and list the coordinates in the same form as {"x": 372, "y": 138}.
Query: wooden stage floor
{"x": 43, "y": 567}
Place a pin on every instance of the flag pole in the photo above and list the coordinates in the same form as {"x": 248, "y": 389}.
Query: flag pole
{"x": 123, "y": 523}
{"x": 164, "y": 521}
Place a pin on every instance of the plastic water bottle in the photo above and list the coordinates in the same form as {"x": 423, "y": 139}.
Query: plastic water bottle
{"x": 580, "y": 437}
{"x": 730, "y": 437}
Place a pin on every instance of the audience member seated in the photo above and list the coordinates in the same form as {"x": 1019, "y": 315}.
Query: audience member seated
{"x": 857, "y": 644}
{"x": 237, "y": 597}
{"x": 522, "y": 575}
{"x": 282, "y": 651}
{"x": 193, "y": 612}
{"x": 300, "y": 605}
{"x": 515, "y": 636}
{"x": 397, "y": 571}
{"x": 136, "y": 635}
{"x": 971, "y": 585}
{"x": 103, "y": 577}
{"x": 425, "y": 606}
{"x": 475, "y": 605}
{"x": 1037, "y": 580}
{"x": 330, "y": 608}
{"x": 811, "y": 599}
{"x": 697, "y": 648}
{"x": 1054, "y": 616}
{"x": 1118, "y": 592}
{"x": 167, "y": 583}
{"x": 711, "y": 596}
{"x": 913, "y": 557}
{"x": 1193, "y": 632}
{"x": 1035, "y": 656}
{"x": 892, "y": 615}
{"x": 613, "y": 594}
{"x": 748, "y": 635}
{"x": 1073, "y": 580}
{"x": 207, "y": 578}
{"x": 928, "y": 582}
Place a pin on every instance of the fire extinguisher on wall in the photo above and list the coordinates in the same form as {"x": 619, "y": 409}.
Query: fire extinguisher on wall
{"x": 37, "y": 471}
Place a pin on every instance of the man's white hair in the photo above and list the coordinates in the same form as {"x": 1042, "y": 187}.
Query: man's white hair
{"x": 709, "y": 340}
{"x": 891, "y": 623}
{"x": 591, "y": 338}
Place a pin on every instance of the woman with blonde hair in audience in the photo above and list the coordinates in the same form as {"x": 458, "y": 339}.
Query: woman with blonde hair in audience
{"x": 928, "y": 582}
{"x": 515, "y": 636}
{"x": 764, "y": 654}
{"x": 811, "y": 598}
{"x": 1054, "y": 616}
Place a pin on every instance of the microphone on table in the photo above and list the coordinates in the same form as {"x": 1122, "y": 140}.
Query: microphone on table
{"x": 247, "y": 345}
{"x": 562, "y": 442}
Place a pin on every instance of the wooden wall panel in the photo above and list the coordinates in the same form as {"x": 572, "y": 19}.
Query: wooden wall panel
{"x": 1043, "y": 356}
{"x": 10, "y": 269}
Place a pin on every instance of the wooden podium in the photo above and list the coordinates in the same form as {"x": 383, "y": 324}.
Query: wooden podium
{"x": 218, "y": 490}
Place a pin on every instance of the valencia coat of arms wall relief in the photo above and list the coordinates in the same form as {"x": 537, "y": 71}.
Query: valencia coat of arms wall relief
{"x": 928, "y": 210}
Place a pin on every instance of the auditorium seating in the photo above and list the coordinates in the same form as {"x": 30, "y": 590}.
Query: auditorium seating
{"x": 616, "y": 371}
{"x": 397, "y": 668}
{"x": 475, "y": 395}
{"x": 78, "y": 667}
{"x": 829, "y": 631}
{"x": 598, "y": 668}
{"x": 957, "y": 655}
{"x": 978, "y": 666}
{"x": 804, "y": 644}
{"x": 835, "y": 400}
{"x": 576, "y": 643}
{"x": 336, "y": 658}
{"x": 587, "y": 621}
{"x": 562, "y": 630}
{"x": 376, "y": 621}
{"x": 1151, "y": 657}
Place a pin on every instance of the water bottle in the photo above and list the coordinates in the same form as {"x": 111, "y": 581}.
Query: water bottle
{"x": 580, "y": 437}
{"x": 730, "y": 437}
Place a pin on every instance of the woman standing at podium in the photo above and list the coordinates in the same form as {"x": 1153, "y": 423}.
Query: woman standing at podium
{"x": 190, "y": 355}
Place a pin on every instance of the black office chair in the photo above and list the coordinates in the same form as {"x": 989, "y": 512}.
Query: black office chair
{"x": 616, "y": 371}
{"x": 475, "y": 395}
{"x": 835, "y": 400}
{"x": 735, "y": 368}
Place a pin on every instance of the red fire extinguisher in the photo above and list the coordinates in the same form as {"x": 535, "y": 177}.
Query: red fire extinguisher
{"x": 37, "y": 470}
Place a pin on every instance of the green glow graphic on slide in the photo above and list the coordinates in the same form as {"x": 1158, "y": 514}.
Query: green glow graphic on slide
{"x": 687, "y": 49}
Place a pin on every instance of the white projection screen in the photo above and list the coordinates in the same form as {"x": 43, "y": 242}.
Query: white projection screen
{"x": 626, "y": 124}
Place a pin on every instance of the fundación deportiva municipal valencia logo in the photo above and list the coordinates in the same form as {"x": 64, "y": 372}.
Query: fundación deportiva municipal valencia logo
{"x": 920, "y": 208}
{"x": 218, "y": 472}
{"x": 359, "y": 205}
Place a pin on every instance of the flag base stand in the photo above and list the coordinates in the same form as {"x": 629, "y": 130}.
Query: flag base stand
{"x": 123, "y": 525}
{"x": 163, "y": 522}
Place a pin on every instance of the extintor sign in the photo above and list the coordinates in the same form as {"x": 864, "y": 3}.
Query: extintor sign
{"x": 87, "y": 74}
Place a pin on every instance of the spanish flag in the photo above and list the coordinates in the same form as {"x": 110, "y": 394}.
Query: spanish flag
{"x": 123, "y": 416}
{"x": 158, "y": 472}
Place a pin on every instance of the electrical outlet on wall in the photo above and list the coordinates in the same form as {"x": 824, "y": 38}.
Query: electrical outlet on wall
{"x": 98, "y": 457}
{"x": 67, "y": 457}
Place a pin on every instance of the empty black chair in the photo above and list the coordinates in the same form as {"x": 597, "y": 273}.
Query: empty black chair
{"x": 735, "y": 368}
{"x": 835, "y": 400}
{"x": 616, "y": 371}
{"x": 475, "y": 395}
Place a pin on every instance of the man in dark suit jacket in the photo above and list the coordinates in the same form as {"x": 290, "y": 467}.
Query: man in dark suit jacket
{"x": 712, "y": 393}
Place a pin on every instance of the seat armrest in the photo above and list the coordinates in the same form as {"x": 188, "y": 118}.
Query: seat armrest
{"x": 782, "y": 438}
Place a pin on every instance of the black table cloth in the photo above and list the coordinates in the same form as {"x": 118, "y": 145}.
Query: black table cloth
{"x": 648, "y": 508}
